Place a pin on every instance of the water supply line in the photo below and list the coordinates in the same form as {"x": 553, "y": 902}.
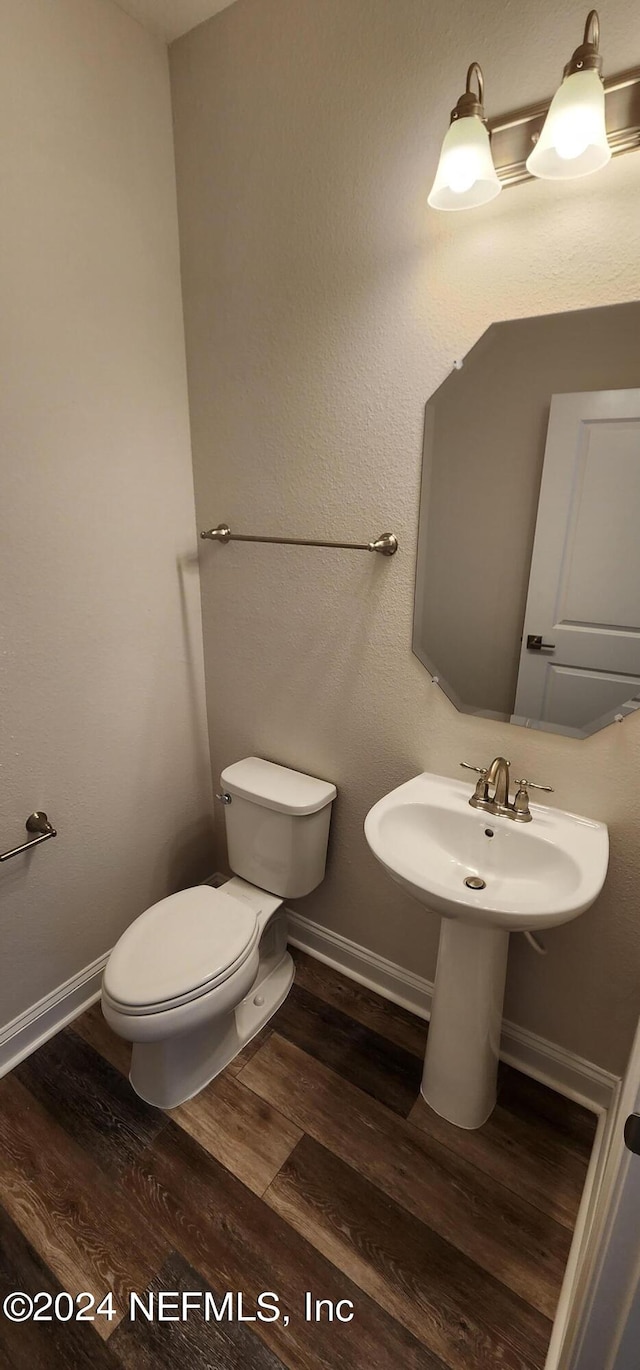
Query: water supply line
{"x": 535, "y": 943}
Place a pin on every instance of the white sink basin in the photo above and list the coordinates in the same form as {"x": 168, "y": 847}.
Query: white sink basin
{"x": 536, "y": 874}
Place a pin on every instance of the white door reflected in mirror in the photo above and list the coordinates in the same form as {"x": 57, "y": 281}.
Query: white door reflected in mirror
{"x": 583, "y": 601}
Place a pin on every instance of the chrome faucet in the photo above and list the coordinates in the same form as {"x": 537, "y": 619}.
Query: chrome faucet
{"x": 497, "y": 775}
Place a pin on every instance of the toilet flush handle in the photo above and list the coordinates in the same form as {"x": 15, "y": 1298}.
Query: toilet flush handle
{"x": 224, "y": 798}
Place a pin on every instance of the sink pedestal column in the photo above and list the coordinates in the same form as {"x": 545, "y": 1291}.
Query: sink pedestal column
{"x": 461, "y": 1064}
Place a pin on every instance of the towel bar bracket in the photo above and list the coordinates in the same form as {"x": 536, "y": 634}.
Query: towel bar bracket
{"x": 39, "y": 823}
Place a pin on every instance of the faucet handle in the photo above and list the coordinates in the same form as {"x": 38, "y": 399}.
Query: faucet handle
{"x": 530, "y": 785}
{"x": 481, "y": 792}
{"x": 522, "y": 811}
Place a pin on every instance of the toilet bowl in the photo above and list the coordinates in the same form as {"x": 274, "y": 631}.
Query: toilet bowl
{"x": 197, "y": 975}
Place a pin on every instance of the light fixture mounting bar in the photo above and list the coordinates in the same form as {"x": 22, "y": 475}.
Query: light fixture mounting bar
{"x": 513, "y": 135}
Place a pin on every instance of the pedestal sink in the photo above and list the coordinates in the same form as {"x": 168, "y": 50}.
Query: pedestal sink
{"x": 487, "y": 876}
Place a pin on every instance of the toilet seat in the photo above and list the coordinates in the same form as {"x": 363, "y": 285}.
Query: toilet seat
{"x": 179, "y": 950}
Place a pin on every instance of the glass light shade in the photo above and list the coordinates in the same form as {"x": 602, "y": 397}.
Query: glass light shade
{"x": 466, "y": 175}
{"x": 573, "y": 141}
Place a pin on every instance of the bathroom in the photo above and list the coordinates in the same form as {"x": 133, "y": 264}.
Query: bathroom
{"x": 226, "y": 300}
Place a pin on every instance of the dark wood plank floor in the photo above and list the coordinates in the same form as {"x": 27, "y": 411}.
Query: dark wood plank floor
{"x": 310, "y": 1166}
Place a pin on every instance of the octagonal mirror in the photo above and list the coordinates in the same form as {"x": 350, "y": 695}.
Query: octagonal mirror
{"x": 527, "y": 599}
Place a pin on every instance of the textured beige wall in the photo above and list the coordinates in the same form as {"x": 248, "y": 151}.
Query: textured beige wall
{"x": 324, "y": 304}
{"x": 101, "y": 677}
{"x": 489, "y": 431}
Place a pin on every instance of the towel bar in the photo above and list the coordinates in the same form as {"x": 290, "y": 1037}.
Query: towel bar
{"x": 386, "y": 544}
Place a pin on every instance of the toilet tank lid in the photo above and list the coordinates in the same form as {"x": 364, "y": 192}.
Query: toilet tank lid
{"x": 277, "y": 787}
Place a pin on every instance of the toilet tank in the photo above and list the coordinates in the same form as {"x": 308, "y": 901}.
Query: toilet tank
{"x": 277, "y": 824}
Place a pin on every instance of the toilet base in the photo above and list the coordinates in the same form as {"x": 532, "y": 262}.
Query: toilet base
{"x": 169, "y": 1072}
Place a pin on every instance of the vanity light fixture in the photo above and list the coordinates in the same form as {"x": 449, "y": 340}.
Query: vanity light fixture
{"x": 573, "y": 141}
{"x": 466, "y": 175}
{"x": 587, "y": 122}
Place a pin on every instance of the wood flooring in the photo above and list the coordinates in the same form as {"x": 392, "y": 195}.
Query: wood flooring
{"x": 311, "y": 1169}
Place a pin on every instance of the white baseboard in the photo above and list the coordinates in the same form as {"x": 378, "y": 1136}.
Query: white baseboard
{"x": 28, "y": 1031}
{"x": 569, "y": 1074}
{"x": 572, "y": 1076}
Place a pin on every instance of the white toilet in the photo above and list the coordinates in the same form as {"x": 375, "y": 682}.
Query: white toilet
{"x": 197, "y": 975}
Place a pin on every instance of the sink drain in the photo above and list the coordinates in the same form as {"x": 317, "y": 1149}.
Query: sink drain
{"x": 475, "y": 882}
